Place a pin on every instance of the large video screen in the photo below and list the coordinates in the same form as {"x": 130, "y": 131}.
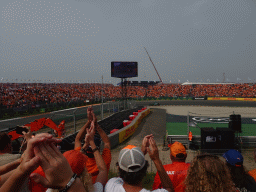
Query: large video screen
{"x": 124, "y": 69}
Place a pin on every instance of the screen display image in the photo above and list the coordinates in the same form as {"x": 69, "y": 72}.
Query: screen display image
{"x": 124, "y": 69}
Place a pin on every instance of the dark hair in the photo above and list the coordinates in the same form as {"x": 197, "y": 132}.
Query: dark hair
{"x": 133, "y": 178}
{"x": 239, "y": 176}
{"x": 5, "y": 140}
{"x": 181, "y": 156}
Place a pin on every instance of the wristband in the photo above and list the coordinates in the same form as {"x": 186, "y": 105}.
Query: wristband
{"x": 73, "y": 178}
{"x": 93, "y": 150}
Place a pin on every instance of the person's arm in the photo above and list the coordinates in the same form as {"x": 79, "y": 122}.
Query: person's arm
{"x": 29, "y": 163}
{"x": 57, "y": 170}
{"x": 9, "y": 167}
{"x": 154, "y": 155}
{"x": 6, "y": 176}
{"x": 103, "y": 135}
{"x": 80, "y": 135}
{"x": 103, "y": 172}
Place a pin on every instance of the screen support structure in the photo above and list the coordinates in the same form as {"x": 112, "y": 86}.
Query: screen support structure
{"x": 124, "y": 90}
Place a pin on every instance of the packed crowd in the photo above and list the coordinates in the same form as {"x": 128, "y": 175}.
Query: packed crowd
{"x": 18, "y": 95}
{"x": 42, "y": 167}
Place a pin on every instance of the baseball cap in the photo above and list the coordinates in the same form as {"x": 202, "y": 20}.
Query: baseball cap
{"x": 131, "y": 159}
{"x": 177, "y": 148}
{"x": 233, "y": 157}
{"x": 76, "y": 160}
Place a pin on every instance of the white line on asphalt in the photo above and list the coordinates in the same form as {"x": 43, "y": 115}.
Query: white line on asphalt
{"x": 10, "y": 119}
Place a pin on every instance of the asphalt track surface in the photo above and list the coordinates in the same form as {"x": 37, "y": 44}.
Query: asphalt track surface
{"x": 154, "y": 123}
{"x": 9, "y": 123}
{"x": 202, "y": 103}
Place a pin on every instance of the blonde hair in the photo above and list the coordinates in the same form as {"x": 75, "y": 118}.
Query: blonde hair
{"x": 208, "y": 173}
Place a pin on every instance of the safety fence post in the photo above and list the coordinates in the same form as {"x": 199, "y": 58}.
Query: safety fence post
{"x": 74, "y": 116}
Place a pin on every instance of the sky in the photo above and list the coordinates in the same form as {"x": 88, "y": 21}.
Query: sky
{"x": 75, "y": 40}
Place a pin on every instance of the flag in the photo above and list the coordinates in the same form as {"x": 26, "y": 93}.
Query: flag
{"x": 238, "y": 79}
{"x": 178, "y": 80}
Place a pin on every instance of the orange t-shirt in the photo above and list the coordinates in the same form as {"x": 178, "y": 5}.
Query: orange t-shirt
{"x": 91, "y": 163}
{"x": 92, "y": 167}
{"x": 177, "y": 172}
{"x": 35, "y": 187}
{"x": 253, "y": 173}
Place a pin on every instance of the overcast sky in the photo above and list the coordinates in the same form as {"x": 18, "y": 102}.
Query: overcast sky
{"x": 76, "y": 40}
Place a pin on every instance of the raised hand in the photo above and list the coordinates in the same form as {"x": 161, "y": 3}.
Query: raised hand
{"x": 91, "y": 132}
{"x": 30, "y": 162}
{"x": 89, "y": 113}
{"x": 153, "y": 150}
{"x": 145, "y": 143}
{"x": 55, "y": 166}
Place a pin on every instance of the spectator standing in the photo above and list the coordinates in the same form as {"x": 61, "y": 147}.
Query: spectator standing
{"x": 177, "y": 170}
{"x": 208, "y": 173}
{"x": 77, "y": 161}
{"x": 132, "y": 168}
{"x": 242, "y": 180}
{"x": 6, "y": 155}
{"x": 106, "y": 153}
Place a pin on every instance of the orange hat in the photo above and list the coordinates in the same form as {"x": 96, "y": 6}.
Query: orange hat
{"x": 177, "y": 148}
{"x": 76, "y": 160}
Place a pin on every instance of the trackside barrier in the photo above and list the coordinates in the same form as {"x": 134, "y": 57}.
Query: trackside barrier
{"x": 247, "y": 141}
{"x": 121, "y": 135}
{"x": 231, "y": 99}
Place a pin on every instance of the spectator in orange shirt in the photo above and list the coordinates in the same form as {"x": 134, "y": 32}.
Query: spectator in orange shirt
{"x": 106, "y": 153}
{"x": 177, "y": 171}
{"x": 253, "y": 172}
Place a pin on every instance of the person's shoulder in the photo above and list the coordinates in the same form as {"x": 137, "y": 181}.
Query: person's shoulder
{"x": 114, "y": 184}
{"x": 157, "y": 190}
{"x": 252, "y": 172}
{"x": 168, "y": 165}
{"x": 117, "y": 180}
{"x": 106, "y": 149}
{"x": 98, "y": 187}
